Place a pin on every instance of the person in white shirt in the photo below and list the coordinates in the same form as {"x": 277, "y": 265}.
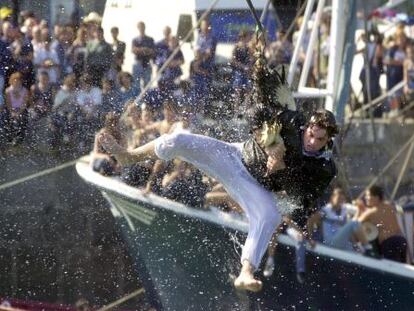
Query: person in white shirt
{"x": 46, "y": 59}
{"x": 89, "y": 97}
{"x": 339, "y": 229}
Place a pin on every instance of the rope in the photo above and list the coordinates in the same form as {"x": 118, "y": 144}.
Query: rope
{"x": 292, "y": 25}
{"x": 403, "y": 170}
{"x": 380, "y": 98}
{"x": 388, "y": 165}
{"x": 253, "y": 11}
{"x": 402, "y": 111}
{"x": 122, "y": 300}
{"x": 264, "y": 12}
{"x": 38, "y": 174}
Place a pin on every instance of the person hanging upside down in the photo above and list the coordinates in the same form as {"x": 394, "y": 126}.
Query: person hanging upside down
{"x": 284, "y": 152}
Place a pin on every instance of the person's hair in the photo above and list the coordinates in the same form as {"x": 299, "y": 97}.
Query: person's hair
{"x": 43, "y": 73}
{"x": 123, "y": 75}
{"x": 15, "y": 76}
{"x": 111, "y": 119}
{"x": 338, "y": 190}
{"x": 244, "y": 33}
{"x": 170, "y": 104}
{"x": 114, "y": 29}
{"x": 69, "y": 79}
{"x": 326, "y": 120}
{"x": 131, "y": 105}
{"x": 281, "y": 31}
{"x": 108, "y": 81}
{"x": 376, "y": 191}
{"x": 86, "y": 78}
{"x": 80, "y": 34}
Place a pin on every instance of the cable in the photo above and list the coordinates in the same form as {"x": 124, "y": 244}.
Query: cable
{"x": 388, "y": 165}
{"x": 38, "y": 174}
{"x": 122, "y": 300}
{"x": 253, "y": 10}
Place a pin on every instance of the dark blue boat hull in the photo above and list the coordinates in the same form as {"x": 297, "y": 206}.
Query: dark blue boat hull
{"x": 190, "y": 263}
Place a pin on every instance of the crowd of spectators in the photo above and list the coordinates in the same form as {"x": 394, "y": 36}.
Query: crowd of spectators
{"x": 71, "y": 76}
{"x": 392, "y": 57}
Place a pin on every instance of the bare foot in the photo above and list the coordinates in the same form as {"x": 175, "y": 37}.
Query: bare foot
{"x": 248, "y": 282}
{"x": 246, "y": 278}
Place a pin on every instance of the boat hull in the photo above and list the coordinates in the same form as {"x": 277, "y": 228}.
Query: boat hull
{"x": 187, "y": 259}
{"x": 191, "y": 263}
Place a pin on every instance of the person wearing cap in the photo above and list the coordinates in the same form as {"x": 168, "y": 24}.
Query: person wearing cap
{"x": 285, "y": 152}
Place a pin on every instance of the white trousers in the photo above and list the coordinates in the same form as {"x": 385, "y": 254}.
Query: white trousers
{"x": 223, "y": 161}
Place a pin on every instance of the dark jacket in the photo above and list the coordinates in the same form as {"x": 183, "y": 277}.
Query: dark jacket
{"x": 305, "y": 177}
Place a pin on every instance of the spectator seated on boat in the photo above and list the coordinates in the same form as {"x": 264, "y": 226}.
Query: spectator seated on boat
{"x": 184, "y": 184}
{"x": 101, "y": 161}
{"x": 169, "y": 117}
{"x": 131, "y": 123}
{"x": 140, "y": 127}
{"x": 148, "y": 114}
{"x": 339, "y": 230}
{"x": 383, "y": 214}
{"x": 136, "y": 175}
{"x": 174, "y": 120}
{"x": 218, "y": 197}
